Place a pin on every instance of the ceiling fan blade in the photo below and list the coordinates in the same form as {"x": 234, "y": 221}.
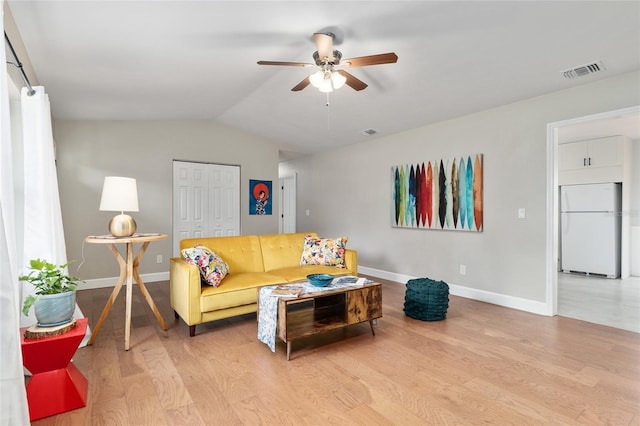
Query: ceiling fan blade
{"x": 353, "y": 82}
{"x": 304, "y": 83}
{"x": 286, "y": 64}
{"x": 363, "y": 61}
{"x": 324, "y": 45}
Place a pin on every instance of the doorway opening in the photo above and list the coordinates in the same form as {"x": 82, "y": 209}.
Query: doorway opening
{"x": 618, "y": 122}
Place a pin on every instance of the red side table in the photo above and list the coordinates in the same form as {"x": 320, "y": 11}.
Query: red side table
{"x": 56, "y": 385}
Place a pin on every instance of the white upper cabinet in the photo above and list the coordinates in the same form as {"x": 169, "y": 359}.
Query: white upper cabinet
{"x": 591, "y": 161}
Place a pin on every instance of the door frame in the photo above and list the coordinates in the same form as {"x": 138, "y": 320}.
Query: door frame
{"x": 553, "y": 209}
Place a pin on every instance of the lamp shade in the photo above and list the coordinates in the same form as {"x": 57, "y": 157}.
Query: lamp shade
{"x": 337, "y": 80}
{"x": 326, "y": 86}
{"x": 327, "y": 81}
{"x": 316, "y": 78}
{"x": 119, "y": 194}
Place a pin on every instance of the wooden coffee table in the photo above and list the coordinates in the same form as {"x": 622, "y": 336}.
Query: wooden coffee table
{"x": 326, "y": 310}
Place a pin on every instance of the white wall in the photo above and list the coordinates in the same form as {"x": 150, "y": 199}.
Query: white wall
{"x": 87, "y": 151}
{"x": 348, "y": 192}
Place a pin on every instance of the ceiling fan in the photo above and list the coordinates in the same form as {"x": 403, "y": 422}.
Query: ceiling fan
{"x": 332, "y": 74}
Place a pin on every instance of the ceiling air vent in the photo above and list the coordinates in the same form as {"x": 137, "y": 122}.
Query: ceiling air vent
{"x": 369, "y": 132}
{"x": 583, "y": 70}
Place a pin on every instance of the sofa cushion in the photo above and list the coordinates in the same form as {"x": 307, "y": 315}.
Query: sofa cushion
{"x": 212, "y": 268}
{"x": 238, "y": 289}
{"x": 282, "y": 250}
{"x": 299, "y": 273}
{"x": 323, "y": 251}
{"x": 241, "y": 253}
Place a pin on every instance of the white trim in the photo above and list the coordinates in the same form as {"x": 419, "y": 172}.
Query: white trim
{"x": 551, "y": 222}
{"x": 518, "y": 303}
{"x": 391, "y": 276}
{"x": 512, "y": 302}
{"x": 111, "y": 282}
{"x": 454, "y": 289}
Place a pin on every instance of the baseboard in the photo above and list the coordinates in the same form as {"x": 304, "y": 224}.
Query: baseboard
{"x": 378, "y": 273}
{"x": 110, "y": 282}
{"x": 469, "y": 293}
{"x": 454, "y": 289}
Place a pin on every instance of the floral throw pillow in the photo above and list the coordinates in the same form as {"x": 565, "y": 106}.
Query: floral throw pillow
{"x": 323, "y": 251}
{"x": 212, "y": 268}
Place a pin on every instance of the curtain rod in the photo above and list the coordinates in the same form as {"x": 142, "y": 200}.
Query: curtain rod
{"x": 18, "y": 65}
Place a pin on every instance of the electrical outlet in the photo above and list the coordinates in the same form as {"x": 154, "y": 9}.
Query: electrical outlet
{"x": 522, "y": 213}
{"x": 159, "y": 258}
{"x": 463, "y": 269}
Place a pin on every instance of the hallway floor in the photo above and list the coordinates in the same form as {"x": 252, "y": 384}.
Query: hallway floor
{"x": 615, "y": 303}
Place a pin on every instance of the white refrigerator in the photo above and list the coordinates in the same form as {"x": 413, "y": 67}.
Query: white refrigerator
{"x": 590, "y": 228}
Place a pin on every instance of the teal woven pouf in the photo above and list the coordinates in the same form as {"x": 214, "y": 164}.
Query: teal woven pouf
{"x": 426, "y": 299}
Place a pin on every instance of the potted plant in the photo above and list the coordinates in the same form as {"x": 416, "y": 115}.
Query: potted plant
{"x": 55, "y": 299}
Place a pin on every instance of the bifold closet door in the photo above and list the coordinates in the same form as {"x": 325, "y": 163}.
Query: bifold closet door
{"x": 206, "y": 201}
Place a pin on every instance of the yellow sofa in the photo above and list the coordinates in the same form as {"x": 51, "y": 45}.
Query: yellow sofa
{"x": 254, "y": 261}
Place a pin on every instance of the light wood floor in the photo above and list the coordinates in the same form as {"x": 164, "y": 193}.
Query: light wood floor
{"x": 484, "y": 364}
{"x": 615, "y": 303}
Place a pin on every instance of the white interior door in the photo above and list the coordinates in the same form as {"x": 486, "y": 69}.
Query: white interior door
{"x": 206, "y": 201}
{"x": 224, "y": 200}
{"x": 287, "y": 222}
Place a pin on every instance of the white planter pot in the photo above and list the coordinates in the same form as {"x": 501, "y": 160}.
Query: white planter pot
{"x": 55, "y": 309}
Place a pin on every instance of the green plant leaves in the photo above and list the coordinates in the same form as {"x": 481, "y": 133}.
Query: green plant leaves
{"x": 47, "y": 278}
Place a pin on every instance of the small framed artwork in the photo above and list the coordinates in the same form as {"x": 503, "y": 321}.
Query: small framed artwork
{"x": 259, "y": 197}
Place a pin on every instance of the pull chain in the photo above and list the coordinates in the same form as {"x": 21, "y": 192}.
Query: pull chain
{"x": 328, "y": 116}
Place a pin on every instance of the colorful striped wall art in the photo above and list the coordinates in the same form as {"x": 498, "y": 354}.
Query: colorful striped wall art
{"x": 443, "y": 194}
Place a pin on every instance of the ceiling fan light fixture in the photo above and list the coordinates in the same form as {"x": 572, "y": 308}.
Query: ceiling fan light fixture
{"x": 326, "y": 86}
{"x": 329, "y": 61}
{"x": 316, "y": 78}
{"x": 338, "y": 80}
{"x": 327, "y": 81}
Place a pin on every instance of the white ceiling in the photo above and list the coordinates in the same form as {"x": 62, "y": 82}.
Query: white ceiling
{"x": 627, "y": 124}
{"x": 160, "y": 60}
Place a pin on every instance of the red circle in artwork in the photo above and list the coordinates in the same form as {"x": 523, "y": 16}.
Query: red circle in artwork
{"x": 260, "y": 187}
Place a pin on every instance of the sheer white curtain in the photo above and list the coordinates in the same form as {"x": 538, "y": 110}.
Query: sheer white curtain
{"x": 43, "y": 230}
{"x": 13, "y": 403}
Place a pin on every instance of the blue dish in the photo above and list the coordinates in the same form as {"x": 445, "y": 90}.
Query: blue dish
{"x": 320, "y": 280}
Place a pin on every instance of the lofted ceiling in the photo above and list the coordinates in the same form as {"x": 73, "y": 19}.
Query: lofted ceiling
{"x": 183, "y": 60}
